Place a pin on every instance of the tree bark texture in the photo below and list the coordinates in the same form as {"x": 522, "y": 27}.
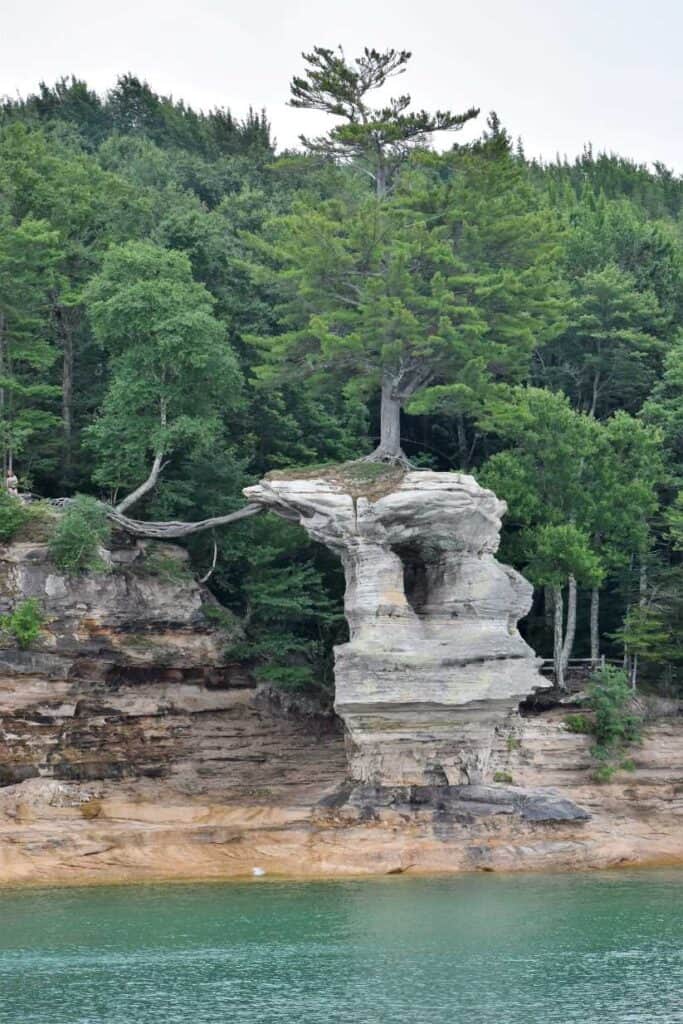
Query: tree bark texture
{"x": 144, "y": 487}
{"x": 595, "y": 625}
{"x": 558, "y": 617}
{"x": 157, "y": 466}
{"x": 570, "y": 631}
{"x": 390, "y": 420}
{"x": 171, "y": 529}
{"x": 389, "y": 448}
{"x": 2, "y": 396}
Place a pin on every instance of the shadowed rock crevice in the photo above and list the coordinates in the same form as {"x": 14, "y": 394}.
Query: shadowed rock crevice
{"x": 415, "y": 577}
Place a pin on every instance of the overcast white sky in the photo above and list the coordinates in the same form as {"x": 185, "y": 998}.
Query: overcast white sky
{"x": 560, "y": 73}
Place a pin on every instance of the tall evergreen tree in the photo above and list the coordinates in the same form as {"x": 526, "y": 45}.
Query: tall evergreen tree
{"x": 377, "y": 139}
{"x": 29, "y": 254}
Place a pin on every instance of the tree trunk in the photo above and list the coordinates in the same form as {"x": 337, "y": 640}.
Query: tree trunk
{"x": 143, "y": 489}
{"x": 627, "y": 611}
{"x": 381, "y": 179}
{"x": 463, "y": 448}
{"x": 2, "y": 399}
{"x": 570, "y": 631}
{"x": 154, "y": 473}
{"x": 595, "y": 395}
{"x": 390, "y": 420}
{"x": 595, "y": 625}
{"x": 67, "y": 383}
{"x": 642, "y": 600}
{"x": 64, "y": 327}
{"x": 642, "y": 584}
{"x": 548, "y": 606}
{"x": 634, "y": 672}
{"x": 67, "y": 392}
{"x": 558, "y": 616}
{"x": 389, "y": 448}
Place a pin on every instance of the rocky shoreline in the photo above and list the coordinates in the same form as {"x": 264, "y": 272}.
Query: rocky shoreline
{"x": 278, "y": 799}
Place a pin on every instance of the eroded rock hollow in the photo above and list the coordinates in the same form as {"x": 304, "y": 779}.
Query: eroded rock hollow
{"x": 435, "y": 666}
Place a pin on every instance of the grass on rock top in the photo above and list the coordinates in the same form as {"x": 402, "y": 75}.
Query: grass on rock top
{"x": 372, "y": 480}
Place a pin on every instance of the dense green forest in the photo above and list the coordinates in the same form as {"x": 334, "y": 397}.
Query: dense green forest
{"x": 183, "y": 305}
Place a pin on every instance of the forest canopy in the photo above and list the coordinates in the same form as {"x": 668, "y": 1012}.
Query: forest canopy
{"x": 184, "y": 308}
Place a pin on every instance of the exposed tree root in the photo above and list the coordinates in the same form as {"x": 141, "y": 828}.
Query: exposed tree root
{"x": 380, "y": 454}
{"x": 170, "y": 530}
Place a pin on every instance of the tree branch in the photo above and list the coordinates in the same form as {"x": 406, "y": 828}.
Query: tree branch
{"x": 147, "y": 485}
{"x": 208, "y": 574}
{"x": 157, "y": 468}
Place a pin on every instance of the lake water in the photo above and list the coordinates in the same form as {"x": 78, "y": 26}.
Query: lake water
{"x": 483, "y": 949}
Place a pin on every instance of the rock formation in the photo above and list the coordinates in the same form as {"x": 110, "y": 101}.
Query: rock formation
{"x": 435, "y": 663}
{"x": 130, "y": 750}
{"x": 144, "y": 618}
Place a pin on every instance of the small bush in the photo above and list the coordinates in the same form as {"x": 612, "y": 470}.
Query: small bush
{"x": 298, "y": 678}
{"x": 615, "y": 725}
{"x": 82, "y": 528}
{"x": 604, "y": 773}
{"x": 502, "y": 777}
{"x": 165, "y": 567}
{"x": 610, "y": 698}
{"x": 13, "y": 515}
{"x": 513, "y": 743}
{"x": 221, "y": 618}
{"x": 25, "y": 622}
{"x": 578, "y": 723}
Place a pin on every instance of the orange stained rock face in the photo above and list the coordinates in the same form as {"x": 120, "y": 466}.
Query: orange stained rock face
{"x": 262, "y": 801}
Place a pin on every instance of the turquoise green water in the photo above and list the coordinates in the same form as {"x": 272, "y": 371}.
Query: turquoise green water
{"x": 485, "y": 949}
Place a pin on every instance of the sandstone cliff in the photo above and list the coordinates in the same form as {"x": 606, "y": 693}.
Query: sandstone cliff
{"x": 130, "y": 749}
{"x": 212, "y": 784}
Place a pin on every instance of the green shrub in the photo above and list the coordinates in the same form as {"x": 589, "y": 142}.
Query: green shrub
{"x": 25, "y": 622}
{"x": 609, "y": 697}
{"x": 604, "y": 772}
{"x": 502, "y": 777}
{"x": 13, "y": 515}
{"x": 165, "y": 567}
{"x": 221, "y": 618}
{"x": 578, "y": 723}
{"x": 82, "y": 528}
{"x": 298, "y": 678}
{"x": 615, "y": 725}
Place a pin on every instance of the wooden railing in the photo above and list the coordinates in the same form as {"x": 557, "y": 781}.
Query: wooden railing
{"x": 578, "y": 669}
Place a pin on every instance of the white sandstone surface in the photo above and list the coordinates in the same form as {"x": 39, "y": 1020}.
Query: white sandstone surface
{"x": 435, "y": 663}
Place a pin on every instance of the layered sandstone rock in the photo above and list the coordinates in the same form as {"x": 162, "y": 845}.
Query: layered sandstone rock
{"x": 146, "y": 617}
{"x": 435, "y": 664}
{"x": 129, "y": 682}
{"x": 129, "y": 750}
{"x": 243, "y": 787}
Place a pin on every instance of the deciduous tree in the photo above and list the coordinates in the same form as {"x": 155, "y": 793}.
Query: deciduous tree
{"x": 173, "y": 374}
